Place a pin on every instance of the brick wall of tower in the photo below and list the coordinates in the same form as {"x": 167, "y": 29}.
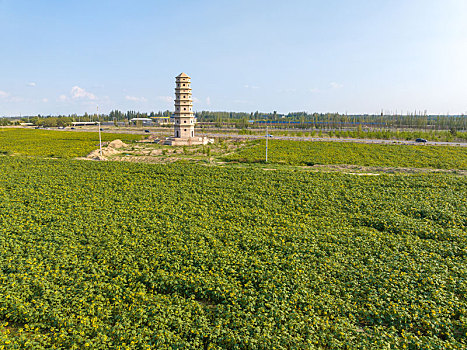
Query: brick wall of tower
{"x": 184, "y": 126}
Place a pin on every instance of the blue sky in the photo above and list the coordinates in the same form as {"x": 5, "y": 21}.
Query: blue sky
{"x": 354, "y": 56}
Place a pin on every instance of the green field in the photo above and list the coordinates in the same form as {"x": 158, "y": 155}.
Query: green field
{"x": 440, "y": 135}
{"x": 310, "y": 153}
{"x": 105, "y": 255}
{"x": 54, "y": 143}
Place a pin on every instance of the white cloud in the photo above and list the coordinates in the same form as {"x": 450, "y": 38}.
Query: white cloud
{"x": 315, "y": 90}
{"x": 32, "y": 84}
{"x": 195, "y": 99}
{"x": 80, "y": 93}
{"x": 250, "y": 87}
{"x": 8, "y": 98}
{"x": 45, "y": 100}
{"x": 335, "y": 85}
{"x": 208, "y": 101}
{"x": 165, "y": 98}
{"x": 63, "y": 98}
{"x": 136, "y": 99}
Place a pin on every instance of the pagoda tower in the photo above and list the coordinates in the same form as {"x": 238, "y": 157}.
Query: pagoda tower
{"x": 184, "y": 127}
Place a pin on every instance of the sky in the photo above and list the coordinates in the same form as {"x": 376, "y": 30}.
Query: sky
{"x": 346, "y": 56}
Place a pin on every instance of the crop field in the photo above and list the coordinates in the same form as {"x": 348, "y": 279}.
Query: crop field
{"x": 53, "y": 143}
{"x": 105, "y": 255}
{"x": 310, "y": 153}
{"x": 445, "y": 136}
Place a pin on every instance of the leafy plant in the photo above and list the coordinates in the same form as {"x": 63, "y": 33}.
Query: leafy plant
{"x": 108, "y": 254}
{"x": 303, "y": 153}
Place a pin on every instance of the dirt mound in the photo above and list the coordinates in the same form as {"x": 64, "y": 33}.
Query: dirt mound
{"x": 117, "y": 144}
{"x": 94, "y": 155}
{"x": 110, "y": 150}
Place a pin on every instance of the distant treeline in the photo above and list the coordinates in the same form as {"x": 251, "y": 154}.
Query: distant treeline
{"x": 305, "y": 120}
{"x": 295, "y": 120}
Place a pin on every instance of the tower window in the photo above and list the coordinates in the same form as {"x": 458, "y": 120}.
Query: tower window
{"x": 184, "y": 121}
{"x": 183, "y": 84}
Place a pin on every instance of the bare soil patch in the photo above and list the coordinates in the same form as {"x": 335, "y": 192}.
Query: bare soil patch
{"x": 149, "y": 151}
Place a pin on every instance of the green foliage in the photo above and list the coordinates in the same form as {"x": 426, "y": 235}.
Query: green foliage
{"x": 56, "y": 144}
{"x": 52, "y": 121}
{"x": 104, "y": 255}
{"x": 5, "y": 122}
{"x": 309, "y": 153}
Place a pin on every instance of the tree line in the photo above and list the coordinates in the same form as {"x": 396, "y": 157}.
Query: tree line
{"x": 305, "y": 120}
{"x": 294, "y": 120}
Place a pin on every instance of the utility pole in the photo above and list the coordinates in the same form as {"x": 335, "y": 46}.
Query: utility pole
{"x": 99, "y": 126}
{"x": 267, "y": 136}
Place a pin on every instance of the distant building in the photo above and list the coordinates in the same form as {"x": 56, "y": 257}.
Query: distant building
{"x": 142, "y": 121}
